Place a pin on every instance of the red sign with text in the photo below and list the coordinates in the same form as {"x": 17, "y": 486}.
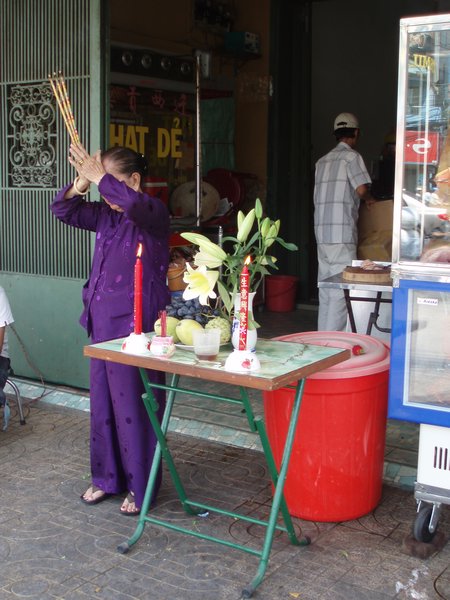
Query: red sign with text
{"x": 421, "y": 148}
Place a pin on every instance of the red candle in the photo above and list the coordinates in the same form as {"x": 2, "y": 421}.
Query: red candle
{"x": 243, "y": 308}
{"x": 163, "y": 317}
{"x": 138, "y": 292}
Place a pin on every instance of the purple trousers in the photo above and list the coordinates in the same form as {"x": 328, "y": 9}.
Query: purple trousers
{"x": 122, "y": 438}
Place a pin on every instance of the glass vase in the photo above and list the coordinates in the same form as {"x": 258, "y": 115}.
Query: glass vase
{"x": 252, "y": 334}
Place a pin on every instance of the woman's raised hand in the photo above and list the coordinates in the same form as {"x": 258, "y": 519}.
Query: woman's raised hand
{"x": 89, "y": 168}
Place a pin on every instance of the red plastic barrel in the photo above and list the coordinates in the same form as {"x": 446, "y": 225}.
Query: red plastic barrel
{"x": 336, "y": 467}
{"x": 280, "y": 292}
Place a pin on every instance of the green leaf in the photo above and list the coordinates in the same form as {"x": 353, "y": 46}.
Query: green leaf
{"x": 249, "y": 244}
{"x": 252, "y": 324}
{"x": 265, "y": 271}
{"x": 225, "y": 297}
{"x": 270, "y": 262}
{"x": 234, "y": 262}
{"x": 230, "y": 238}
{"x": 287, "y": 245}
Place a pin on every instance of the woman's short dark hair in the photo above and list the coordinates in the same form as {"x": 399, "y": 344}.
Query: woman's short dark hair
{"x": 128, "y": 161}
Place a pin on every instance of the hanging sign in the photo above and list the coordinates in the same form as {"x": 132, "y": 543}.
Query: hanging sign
{"x": 421, "y": 148}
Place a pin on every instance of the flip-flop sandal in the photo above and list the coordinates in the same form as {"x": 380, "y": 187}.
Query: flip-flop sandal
{"x": 133, "y": 513}
{"x": 97, "y": 500}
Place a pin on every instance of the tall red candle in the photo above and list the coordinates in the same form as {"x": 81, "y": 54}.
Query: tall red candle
{"x": 138, "y": 292}
{"x": 244, "y": 284}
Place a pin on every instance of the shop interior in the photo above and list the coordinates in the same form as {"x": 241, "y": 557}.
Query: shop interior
{"x": 192, "y": 96}
{"x": 270, "y": 79}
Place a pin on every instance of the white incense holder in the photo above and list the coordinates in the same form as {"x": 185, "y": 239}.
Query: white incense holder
{"x": 242, "y": 361}
{"x": 136, "y": 343}
{"x": 162, "y": 347}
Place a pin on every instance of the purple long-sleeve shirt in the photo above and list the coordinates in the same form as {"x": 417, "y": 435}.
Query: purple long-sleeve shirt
{"x": 110, "y": 286}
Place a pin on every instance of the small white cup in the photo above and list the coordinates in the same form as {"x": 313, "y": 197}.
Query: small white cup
{"x": 206, "y": 344}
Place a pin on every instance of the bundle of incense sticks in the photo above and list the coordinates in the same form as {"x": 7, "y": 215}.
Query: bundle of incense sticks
{"x": 62, "y": 98}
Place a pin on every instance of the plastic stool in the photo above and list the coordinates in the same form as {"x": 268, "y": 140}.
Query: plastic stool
{"x": 18, "y": 399}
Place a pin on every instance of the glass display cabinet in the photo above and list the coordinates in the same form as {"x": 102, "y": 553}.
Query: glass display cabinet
{"x": 420, "y": 341}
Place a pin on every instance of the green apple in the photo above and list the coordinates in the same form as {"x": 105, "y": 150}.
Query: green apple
{"x": 185, "y": 331}
{"x": 171, "y": 327}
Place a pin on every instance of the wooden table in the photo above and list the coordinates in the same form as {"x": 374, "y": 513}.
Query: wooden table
{"x": 282, "y": 364}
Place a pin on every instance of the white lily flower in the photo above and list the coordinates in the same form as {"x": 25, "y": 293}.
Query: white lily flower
{"x": 201, "y": 283}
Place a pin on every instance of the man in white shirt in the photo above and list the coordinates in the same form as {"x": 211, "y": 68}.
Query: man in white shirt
{"x": 6, "y": 318}
{"x": 341, "y": 182}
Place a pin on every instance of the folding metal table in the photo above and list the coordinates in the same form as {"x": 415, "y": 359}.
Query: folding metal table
{"x": 338, "y": 282}
{"x": 282, "y": 364}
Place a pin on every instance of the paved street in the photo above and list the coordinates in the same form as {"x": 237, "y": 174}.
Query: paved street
{"x": 54, "y": 547}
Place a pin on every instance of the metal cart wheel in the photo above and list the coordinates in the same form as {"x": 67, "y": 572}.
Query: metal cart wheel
{"x": 421, "y": 525}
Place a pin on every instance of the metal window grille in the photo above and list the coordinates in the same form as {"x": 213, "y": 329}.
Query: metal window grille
{"x": 35, "y": 39}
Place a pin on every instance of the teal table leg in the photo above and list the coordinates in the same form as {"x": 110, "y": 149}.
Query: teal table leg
{"x": 256, "y": 425}
{"x": 151, "y": 406}
{"x": 274, "y": 475}
{"x": 278, "y": 494}
{"x": 162, "y": 443}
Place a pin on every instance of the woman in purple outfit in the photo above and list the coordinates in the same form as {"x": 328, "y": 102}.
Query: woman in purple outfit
{"x": 122, "y": 441}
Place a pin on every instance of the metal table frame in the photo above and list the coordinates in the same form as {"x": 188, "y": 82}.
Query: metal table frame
{"x": 281, "y": 364}
{"x": 337, "y": 281}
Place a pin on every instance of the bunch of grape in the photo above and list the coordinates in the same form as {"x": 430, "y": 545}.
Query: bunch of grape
{"x": 190, "y": 309}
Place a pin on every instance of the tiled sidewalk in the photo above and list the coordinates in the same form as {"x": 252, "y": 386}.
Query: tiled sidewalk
{"x": 206, "y": 419}
{"x": 53, "y": 547}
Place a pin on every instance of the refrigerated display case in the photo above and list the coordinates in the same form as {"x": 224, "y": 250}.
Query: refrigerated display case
{"x": 420, "y": 342}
